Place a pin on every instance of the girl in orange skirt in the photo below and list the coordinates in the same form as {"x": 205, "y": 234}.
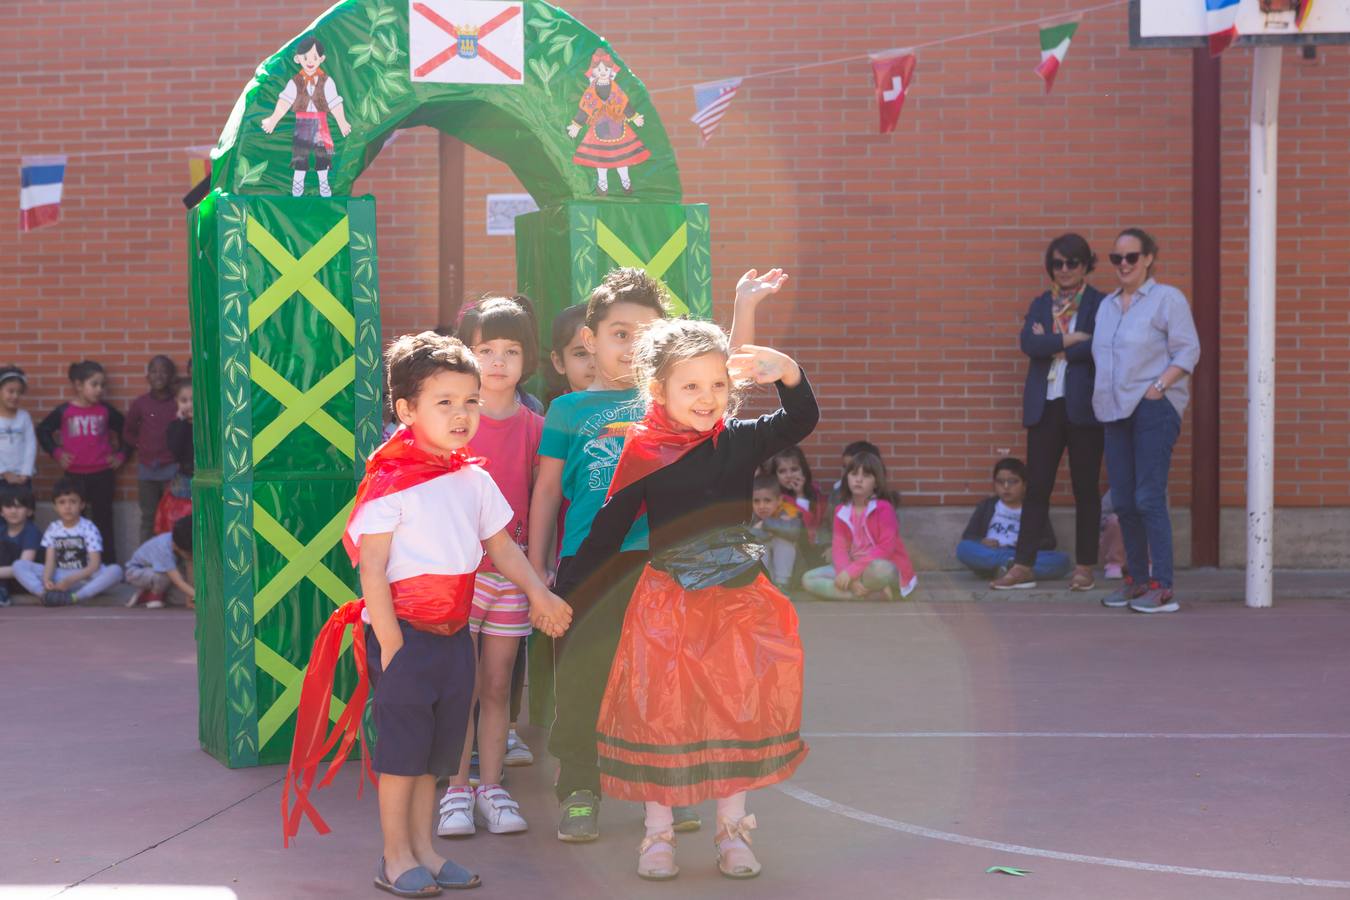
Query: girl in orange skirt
{"x": 704, "y": 697}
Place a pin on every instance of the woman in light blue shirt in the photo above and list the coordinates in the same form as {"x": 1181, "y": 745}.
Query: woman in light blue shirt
{"x": 1145, "y": 348}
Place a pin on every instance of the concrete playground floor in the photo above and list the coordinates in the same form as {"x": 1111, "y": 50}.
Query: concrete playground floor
{"x": 1114, "y": 755}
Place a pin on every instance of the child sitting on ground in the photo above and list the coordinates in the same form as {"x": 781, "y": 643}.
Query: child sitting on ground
{"x": 990, "y": 540}
{"x": 870, "y": 559}
{"x": 74, "y": 568}
{"x": 794, "y": 476}
{"x": 422, "y": 518}
{"x": 18, "y": 441}
{"x": 154, "y": 567}
{"x": 20, "y": 539}
{"x": 780, "y": 523}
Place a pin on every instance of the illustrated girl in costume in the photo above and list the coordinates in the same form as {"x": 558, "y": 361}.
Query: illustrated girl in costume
{"x": 704, "y": 698}
{"x": 606, "y": 113}
{"x": 313, "y": 96}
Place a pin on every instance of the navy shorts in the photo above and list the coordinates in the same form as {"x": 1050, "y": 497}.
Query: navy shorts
{"x": 421, "y": 705}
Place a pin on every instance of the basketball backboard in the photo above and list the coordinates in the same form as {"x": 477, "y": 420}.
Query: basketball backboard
{"x": 1181, "y": 23}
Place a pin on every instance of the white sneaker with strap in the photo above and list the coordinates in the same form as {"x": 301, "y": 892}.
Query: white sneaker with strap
{"x": 494, "y": 808}
{"x": 457, "y": 813}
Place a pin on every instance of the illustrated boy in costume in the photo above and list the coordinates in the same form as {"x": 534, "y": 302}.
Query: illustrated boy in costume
{"x": 312, "y": 94}
{"x": 606, "y": 112}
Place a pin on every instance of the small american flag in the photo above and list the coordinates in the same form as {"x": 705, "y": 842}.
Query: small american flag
{"x": 711, "y": 100}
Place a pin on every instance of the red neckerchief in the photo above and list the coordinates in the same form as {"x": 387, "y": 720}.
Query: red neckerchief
{"x": 311, "y": 79}
{"x": 654, "y": 443}
{"x": 397, "y": 465}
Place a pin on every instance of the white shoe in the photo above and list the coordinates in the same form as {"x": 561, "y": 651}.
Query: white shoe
{"x": 457, "y": 813}
{"x": 517, "y": 751}
{"x": 135, "y": 599}
{"x": 496, "y": 810}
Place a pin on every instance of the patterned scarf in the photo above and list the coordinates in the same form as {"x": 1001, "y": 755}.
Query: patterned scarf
{"x": 1065, "y": 307}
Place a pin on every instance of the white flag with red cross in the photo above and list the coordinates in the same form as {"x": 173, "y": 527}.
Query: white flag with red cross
{"x": 466, "y": 41}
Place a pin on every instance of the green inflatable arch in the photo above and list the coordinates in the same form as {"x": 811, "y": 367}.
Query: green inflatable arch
{"x": 285, "y": 293}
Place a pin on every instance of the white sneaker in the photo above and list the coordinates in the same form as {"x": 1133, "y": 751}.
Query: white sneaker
{"x": 517, "y": 751}
{"x": 496, "y": 810}
{"x": 457, "y": 813}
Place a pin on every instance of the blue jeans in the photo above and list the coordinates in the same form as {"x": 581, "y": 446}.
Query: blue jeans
{"x": 984, "y": 561}
{"x": 1138, "y": 456}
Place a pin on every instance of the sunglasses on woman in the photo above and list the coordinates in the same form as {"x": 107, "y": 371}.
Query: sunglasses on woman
{"x": 1131, "y": 258}
{"x": 1070, "y": 264}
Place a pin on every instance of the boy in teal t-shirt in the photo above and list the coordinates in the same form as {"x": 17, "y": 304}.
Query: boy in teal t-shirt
{"x": 586, "y": 431}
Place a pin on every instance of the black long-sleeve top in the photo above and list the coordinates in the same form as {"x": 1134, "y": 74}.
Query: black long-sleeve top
{"x": 709, "y": 488}
{"x": 179, "y": 439}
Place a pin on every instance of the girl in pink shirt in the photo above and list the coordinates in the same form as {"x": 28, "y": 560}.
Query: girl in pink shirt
{"x": 500, "y": 332}
{"x": 869, "y": 557}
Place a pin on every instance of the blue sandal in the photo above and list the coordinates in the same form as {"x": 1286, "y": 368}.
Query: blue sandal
{"x": 457, "y": 878}
{"x": 416, "y": 882}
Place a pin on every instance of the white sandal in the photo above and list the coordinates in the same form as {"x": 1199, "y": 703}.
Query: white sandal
{"x": 656, "y": 857}
{"x": 734, "y": 857}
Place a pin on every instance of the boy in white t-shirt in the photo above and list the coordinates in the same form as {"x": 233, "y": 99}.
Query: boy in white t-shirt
{"x": 423, "y": 516}
{"x": 74, "y": 568}
{"x": 989, "y": 542}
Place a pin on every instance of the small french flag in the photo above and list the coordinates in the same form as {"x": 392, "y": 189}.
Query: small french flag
{"x": 1221, "y": 23}
{"x": 40, "y": 180}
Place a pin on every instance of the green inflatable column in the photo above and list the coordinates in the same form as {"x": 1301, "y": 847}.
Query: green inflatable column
{"x": 287, "y": 379}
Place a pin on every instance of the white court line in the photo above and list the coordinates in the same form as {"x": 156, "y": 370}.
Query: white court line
{"x": 849, "y": 812}
{"x": 1104, "y": 735}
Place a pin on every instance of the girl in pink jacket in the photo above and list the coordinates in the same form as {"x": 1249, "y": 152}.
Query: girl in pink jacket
{"x": 869, "y": 557}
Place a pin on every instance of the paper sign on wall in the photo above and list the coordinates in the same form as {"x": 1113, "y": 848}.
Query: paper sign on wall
{"x": 502, "y": 210}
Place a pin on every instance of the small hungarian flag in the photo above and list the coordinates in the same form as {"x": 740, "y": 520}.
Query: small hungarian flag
{"x": 892, "y": 76}
{"x": 1054, "y": 47}
{"x": 40, "y": 181}
{"x": 1221, "y": 24}
{"x": 712, "y": 101}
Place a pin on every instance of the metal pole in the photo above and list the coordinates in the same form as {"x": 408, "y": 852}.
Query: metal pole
{"x": 1205, "y": 228}
{"x": 1261, "y": 328}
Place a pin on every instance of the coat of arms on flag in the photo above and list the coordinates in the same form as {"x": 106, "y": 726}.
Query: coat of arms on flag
{"x": 892, "y": 76}
{"x": 466, "y": 41}
{"x": 712, "y": 100}
{"x": 40, "y": 181}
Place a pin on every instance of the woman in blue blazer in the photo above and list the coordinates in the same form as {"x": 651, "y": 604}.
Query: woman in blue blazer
{"x": 1057, "y": 411}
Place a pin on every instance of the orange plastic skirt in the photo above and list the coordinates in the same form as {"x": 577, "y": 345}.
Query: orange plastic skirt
{"x": 705, "y": 695}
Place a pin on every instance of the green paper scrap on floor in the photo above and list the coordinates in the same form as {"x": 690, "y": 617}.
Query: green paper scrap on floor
{"x": 1006, "y": 870}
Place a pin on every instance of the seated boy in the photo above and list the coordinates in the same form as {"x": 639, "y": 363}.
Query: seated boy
{"x": 423, "y": 516}
{"x": 74, "y": 569}
{"x": 153, "y": 568}
{"x": 20, "y": 539}
{"x": 780, "y": 524}
{"x": 990, "y": 540}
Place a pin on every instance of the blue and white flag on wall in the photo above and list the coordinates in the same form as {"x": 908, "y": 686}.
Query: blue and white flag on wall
{"x": 40, "y": 181}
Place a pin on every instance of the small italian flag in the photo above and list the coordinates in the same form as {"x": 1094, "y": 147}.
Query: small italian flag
{"x": 1054, "y": 46}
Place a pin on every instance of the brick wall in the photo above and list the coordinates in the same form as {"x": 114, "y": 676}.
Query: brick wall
{"x": 913, "y": 255}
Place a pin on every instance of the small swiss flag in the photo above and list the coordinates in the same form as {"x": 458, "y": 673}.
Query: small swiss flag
{"x": 893, "y": 75}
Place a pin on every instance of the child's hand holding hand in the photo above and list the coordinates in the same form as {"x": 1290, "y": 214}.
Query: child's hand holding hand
{"x": 763, "y": 365}
{"x": 843, "y": 580}
{"x": 550, "y": 614}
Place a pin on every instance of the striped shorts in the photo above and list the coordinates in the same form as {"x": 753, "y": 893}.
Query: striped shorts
{"x": 499, "y": 607}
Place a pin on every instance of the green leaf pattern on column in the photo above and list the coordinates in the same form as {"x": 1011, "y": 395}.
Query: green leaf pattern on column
{"x": 237, "y": 577}
{"x": 388, "y": 83}
{"x": 585, "y": 253}
{"x": 366, "y": 311}
{"x": 699, "y": 269}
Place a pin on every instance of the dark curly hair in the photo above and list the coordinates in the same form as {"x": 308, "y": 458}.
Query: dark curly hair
{"x": 413, "y": 358}
{"x": 626, "y": 285}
